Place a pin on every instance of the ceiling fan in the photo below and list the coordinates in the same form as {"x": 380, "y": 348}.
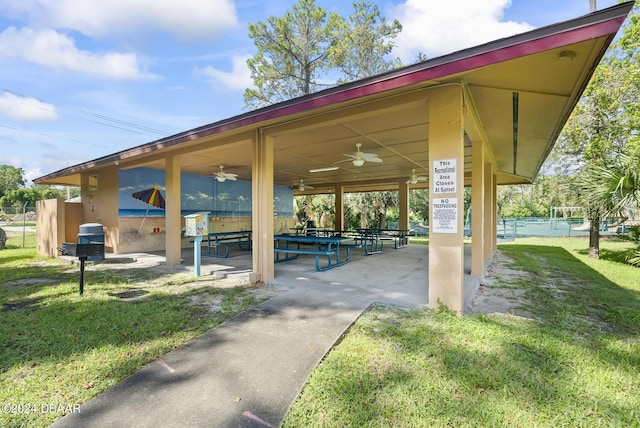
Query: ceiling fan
{"x": 415, "y": 178}
{"x": 222, "y": 176}
{"x": 302, "y": 187}
{"x": 358, "y": 158}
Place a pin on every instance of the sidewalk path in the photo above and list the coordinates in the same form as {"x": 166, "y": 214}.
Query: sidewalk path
{"x": 244, "y": 373}
{"x": 249, "y": 370}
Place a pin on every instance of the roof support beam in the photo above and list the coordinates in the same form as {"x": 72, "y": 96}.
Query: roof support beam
{"x": 516, "y": 107}
{"x": 446, "y": 229}
{"x": 173, "y": 221}
{"x": 262, "y": 208}
{"x": 477, "y": 209}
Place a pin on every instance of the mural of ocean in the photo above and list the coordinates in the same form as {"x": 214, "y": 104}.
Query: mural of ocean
{"x": 160, "y": 213}
{"x": 140, "y": 213}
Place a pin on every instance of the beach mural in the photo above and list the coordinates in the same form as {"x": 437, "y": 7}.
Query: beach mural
{"x": 198, "y": 193}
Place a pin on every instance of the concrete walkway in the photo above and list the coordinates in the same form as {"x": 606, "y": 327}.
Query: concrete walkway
{"x": 249, "y": 370}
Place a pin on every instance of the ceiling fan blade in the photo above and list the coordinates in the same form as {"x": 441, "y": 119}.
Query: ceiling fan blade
{"x": 359, "y": 157}
{"x": 231, "y": 177}
{"x": 422, "y": 178}
{"x": 370, "y": 157}
{"x": 302, "y": 187}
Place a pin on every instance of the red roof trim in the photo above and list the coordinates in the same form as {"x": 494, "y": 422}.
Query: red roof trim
{"x": 598, "y": 24}
{"x": 446, "y": 69}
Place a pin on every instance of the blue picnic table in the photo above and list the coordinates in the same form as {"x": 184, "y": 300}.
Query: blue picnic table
{"x": 400, "y": 237}
{"x": 335, "y": 248}
{"x": 219, "y": 240}
{"x": 372, "y": 239}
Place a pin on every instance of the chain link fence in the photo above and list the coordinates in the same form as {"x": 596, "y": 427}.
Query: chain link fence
{"x": 17, "y": 214}
{"x": 511, "y": 228}
{"x": 16, "y": 224}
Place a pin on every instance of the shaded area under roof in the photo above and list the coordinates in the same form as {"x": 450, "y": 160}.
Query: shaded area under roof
{"x": 519, "y": 92}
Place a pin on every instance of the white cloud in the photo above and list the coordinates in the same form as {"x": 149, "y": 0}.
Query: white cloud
{"x": 57, "y": 51}
{"x": 436, "y": 27}
{"x": 25, "y": 108}
{"x": 186, "y": 19}
{"x": 239, "y": 78}
{"x": 32, "y": 173}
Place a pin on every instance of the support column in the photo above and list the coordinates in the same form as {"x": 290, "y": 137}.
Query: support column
{"x": 446, "y": 198}
{"x": 494, "y": 204}
{"x": 403, "y": 201}
{"x": 338, "y": 223}
{"x": 489, "y": 211}
{"x": 172, "y": 211}
{"x": 477, "y": 208}
{"x": 87, "y": 197}
{"x": 262, "y": 208}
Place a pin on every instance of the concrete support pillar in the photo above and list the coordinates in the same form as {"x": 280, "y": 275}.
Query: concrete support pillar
{"x": 477, "y": 208}
{"x": 494, "y": 204}
{"x": 173, "y": 221}
{"x": 262, "y": 208}
{"x": 86, "y": 197}
{"x": 403, "y": 201}
{"x": 446, "y": 198}
{"x": 339, "y": 208}
{"x": 489, "y": 211}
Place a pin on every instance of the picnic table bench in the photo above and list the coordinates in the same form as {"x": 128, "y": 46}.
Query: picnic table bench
{"x": 219, "y": 243}
{"x": 400, "y": 237}
{"x": 373, "y": 239}
{"x": 370, "y": 240}
{"x": 289, "y": 247}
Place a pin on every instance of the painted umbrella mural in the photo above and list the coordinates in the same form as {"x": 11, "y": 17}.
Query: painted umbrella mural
{"x": 152, "y": 197}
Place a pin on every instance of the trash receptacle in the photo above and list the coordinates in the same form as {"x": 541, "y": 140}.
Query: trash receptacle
{"x": 92, "y": 233}
{"x": 311, "y": 228}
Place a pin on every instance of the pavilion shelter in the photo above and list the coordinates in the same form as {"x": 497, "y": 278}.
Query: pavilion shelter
{"x": 480, "y": 117}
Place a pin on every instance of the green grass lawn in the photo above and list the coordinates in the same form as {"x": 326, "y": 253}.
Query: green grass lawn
{"x": 575, "y": 363}
{"x": 63, "y": 349}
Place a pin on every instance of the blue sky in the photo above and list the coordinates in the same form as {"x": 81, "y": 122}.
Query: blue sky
{"x": 80, "y": 79}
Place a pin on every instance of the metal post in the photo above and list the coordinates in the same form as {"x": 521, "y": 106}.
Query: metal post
{"x": 82, "y": 260}
{"x": 197, "y": 249}
{"x": 24, "y": 222}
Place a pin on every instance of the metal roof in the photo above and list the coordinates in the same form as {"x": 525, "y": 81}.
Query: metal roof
{"x": 519, "y": 91}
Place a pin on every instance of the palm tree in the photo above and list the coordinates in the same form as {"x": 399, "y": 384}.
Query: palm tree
{"x": 609, "y": 190}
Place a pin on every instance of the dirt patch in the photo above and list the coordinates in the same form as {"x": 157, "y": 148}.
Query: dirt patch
{"x": 128, "y": 295}
{"x": 28, "y": 304}
{"x": 212, "y": 303}
{"x": 30, "y": 281}
{"x": 498, "y": 293}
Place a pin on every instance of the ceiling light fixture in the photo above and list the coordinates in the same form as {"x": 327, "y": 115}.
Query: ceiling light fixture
{"x": 328, "y": 168}
{"x": 358, "y": 162}
{"x": 566, "y": 56}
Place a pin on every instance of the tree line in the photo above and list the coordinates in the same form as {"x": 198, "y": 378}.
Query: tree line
{"x": 595, "y": 163}
{"x": 14, "y": 193}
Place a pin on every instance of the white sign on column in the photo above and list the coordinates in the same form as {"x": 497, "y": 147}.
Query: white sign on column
{"x": 444, "y": 177}
{"x": 445, "y": 215}
{"x": 444, "y": 211}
